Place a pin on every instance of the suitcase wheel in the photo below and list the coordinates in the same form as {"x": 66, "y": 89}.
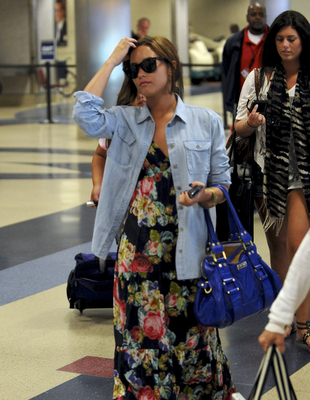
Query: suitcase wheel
{"x": 79, "y": 305}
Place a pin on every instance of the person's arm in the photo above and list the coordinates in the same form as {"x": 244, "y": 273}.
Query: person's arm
{"x": 219, "y": 170}
{"x": 295, "y": 288}
{"x": 98, "y": 83}
{"x": 245, "y": 127}
{"x": 245, "y": 122}
{"x": 86, "y": 111}
{"x": 97, "y": 167}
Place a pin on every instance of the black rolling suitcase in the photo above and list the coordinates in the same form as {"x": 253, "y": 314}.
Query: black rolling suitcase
{"x": 87, "y": 286}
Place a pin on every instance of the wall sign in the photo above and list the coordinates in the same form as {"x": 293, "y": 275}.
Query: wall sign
{"x": 47, "y": 50}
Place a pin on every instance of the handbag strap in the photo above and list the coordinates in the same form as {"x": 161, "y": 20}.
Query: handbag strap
{"x": 274, "y": 359}
{"x": 257, "y": 81}
{"x": 236, "y": 229}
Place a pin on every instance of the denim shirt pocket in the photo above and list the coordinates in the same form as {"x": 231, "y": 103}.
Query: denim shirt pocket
{"x": 198, "y": 156}
{"x": 122, "y": 146}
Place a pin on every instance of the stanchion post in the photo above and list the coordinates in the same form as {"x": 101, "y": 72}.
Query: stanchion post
{"x": 48, "y": 92}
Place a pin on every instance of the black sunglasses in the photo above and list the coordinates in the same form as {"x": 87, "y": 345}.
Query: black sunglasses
{"x": 148, "y": 65}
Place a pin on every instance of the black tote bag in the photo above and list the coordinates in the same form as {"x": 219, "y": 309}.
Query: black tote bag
{"x": 241, "y": 193}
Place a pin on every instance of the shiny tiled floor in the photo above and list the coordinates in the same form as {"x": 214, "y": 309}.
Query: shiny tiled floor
{"x": 47, "y": 350}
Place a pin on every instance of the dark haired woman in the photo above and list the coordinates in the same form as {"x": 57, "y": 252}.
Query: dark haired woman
{"x": 156, "y": 152}
{"x": 282, "y": 148}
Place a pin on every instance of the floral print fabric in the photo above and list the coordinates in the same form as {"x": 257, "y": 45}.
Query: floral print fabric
{"x": 161, "y": 351}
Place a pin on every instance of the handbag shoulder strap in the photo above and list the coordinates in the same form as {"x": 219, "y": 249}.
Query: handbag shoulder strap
{"x": 257, "y": 81}
{"x": 235, "y": 221}
{"x": 236, "y": 229}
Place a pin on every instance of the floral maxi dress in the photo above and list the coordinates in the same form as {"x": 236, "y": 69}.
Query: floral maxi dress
{"x": 161, "y": 352}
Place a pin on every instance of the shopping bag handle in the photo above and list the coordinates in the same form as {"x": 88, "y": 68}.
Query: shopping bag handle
{"x": 274, "y": 359}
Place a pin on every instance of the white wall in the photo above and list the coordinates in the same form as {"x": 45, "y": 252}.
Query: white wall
{"x": 14, "y": 22}
{"x": 15, "y": 46}
{"x": 303, "y": 6}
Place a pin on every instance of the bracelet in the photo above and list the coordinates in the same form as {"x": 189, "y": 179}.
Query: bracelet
{"x": 215, "y": 199}
{"x": 245, "y": 125}
{"x": 251, "y": 127}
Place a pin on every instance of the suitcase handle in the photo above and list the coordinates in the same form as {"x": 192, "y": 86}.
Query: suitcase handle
{"x": 102, "y": 265}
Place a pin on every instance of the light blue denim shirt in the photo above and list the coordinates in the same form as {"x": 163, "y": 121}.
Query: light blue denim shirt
{"x": 196, "y": 146}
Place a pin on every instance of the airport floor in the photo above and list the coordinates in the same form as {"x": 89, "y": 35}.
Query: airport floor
{"x": 51, "y": 352}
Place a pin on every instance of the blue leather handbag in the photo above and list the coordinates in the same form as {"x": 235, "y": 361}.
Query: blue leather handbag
{"x": 236, "y": 281}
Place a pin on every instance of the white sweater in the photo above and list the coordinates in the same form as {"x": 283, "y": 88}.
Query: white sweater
{"x": 296, "y": 287}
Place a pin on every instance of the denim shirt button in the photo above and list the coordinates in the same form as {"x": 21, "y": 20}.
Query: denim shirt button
{"x": 175, "y": 166}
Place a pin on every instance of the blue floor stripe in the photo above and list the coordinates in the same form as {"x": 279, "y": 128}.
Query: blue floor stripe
{"x": 80, "y": 388}
{"x": 38, "y": 275}
{"x": 39, "y": 237}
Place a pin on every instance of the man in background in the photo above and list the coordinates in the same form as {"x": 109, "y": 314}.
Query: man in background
{"x": 143, "y": 26}
{"x": 241, "y": 54}
{"x": 234, "y": 28}
{"x": 61, "y": 23}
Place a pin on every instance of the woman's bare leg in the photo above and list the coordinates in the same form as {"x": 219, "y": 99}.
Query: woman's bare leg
{"x": 279, "y": 259}
{"x": 298, "y": 226}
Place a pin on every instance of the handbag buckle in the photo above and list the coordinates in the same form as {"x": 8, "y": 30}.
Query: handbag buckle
{"x": 244, "y": 244}
{"x": 208, "y": 291}
{"x": 216, "y": 258}
{"x": 204, "y": 284}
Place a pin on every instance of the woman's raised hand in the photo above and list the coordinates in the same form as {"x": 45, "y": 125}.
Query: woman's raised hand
{"x": 120, "y": 53}
{"x": 98, "y": 83}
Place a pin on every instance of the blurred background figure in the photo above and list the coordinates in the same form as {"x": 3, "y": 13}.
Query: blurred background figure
{"x": 242, "y": 53}
{"x": 234, "y": 28}
{"x": 143, "y": 26}
{"x": 61, "y": 23}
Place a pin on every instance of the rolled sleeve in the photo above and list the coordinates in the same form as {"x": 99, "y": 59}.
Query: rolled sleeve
{"x": 220, "y": 168}
{"x": 94, "y": 120}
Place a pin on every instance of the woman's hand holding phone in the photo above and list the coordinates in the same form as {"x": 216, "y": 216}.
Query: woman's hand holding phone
{"x": 255, "y": 118}
{"x": 193, "y": 195}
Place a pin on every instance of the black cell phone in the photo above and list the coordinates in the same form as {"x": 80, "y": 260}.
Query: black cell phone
{"x": 262, "y": 106}
{"x": 193, "y": 191}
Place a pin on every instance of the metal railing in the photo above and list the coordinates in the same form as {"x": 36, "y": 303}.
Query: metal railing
{"x": 65, "y": 82}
